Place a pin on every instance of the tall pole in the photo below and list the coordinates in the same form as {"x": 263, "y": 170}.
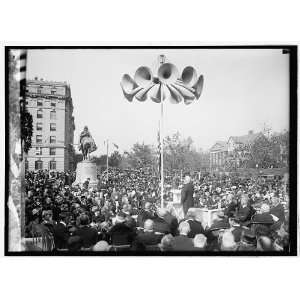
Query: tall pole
{"x": 107, "y": 160}
{"x": 162, "y": 149}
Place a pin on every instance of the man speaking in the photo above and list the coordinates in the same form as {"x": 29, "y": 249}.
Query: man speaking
{"x": 187, "y": 192}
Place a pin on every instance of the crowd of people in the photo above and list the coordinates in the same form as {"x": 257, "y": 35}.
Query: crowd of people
{"x": 122, "y": 212}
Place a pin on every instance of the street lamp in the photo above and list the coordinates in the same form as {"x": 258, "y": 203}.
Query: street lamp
{"x": 167, "y": 84}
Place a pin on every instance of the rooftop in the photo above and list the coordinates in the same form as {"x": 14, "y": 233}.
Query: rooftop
{"x": 42, "y": 81}
{"x": 246, "y": 139}
{"x": 219, "y": 146}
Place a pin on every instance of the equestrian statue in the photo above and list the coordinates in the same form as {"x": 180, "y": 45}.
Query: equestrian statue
{"x": 86, "y": 143}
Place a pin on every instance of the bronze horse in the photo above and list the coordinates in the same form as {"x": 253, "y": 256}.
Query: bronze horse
{"x": 86, "y": 147}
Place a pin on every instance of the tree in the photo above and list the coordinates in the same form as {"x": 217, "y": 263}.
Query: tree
{"x": 261, "y": 151}
{"x": 180, "y": 154}
{"x": 280, "y": 148}
{"x": 115, "y": 159}
{"x": 141, "y": 155}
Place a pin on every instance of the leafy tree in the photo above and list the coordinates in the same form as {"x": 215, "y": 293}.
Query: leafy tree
{"x": 115, "y": 159}
{"x": 280, "y": 148}
{"x": 180, "y": 154}
{"x": 141, "y": 155}
{"x": 261, "y": 152}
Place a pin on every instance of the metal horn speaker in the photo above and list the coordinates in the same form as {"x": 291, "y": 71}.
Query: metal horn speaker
{"x": 189, "y": 76}
{"x": 187, "y": 93}
{"x": 143, "y": 93}
{"x": 156, "y": 93}
{"x": 174, "y": 96}
{"x": 143, "y": 76}
{"x": 198, "y": 87}
{"x": 129, "y": 87}
{"x": 167, "y": 73}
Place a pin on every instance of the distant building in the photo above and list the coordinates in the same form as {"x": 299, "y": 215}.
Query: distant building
{"x": 51, "y": 107}
{"x": 236, "y": 148}
{"x": 235, "y": 142}
{"x": 218, "y": 154}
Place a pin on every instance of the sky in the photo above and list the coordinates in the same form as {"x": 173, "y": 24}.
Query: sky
{"x": 243, "y": 90}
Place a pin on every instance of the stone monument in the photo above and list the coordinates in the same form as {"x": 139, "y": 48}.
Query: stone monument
{"x": 86, "y": 168}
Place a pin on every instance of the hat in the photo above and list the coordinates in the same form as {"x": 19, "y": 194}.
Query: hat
{"x": 219, "y": 225}
{"x": 265, "y": 219}
{"x": 121, "y": 217}
{"x": 74, "y": 243}
{"x": 84, "y": 219}
{"x": 249, "y": 237}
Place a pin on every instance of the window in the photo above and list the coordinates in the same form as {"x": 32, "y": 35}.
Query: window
{"x": 39, "y": 90}
{"x": 53, "y": 115}
{"x": 39, "y": 103}
{"x": 53, "y": 92}
{"x": 52, "y": 139}
{"x": 38, "y": 151}
{"x": 53, "y": 104}
{"x": 52, "y": 126}
{"x": 52, "y": 151}
{"x": 39, "y": 114}
{"x": 38, "y": 165}
{"x": 26, "y": 164}
{"x": 52, "y": 165}
{"x": 38, "y": 139}
{"x": 39, "y": 126}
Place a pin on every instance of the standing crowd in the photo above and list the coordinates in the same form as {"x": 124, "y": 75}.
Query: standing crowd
{"x": 122, "y": 213}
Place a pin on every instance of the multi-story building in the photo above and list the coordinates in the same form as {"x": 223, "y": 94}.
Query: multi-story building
{"x": 51, "y": 107}
{"x": 218, "y": 154}
{"x": 236, "y": 149}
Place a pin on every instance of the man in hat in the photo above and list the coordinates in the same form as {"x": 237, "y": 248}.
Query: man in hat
{"x": 277, "y": 210}
{"x": 232, "y": 207}
{"x": 61, "y": 233}
{"x": 187, "y": 192}
{"x": 243, "y": 214}
{"x": 215, "y": 232}
{"x": 248, "y": 241}
{"x": 121, "y": 234}
{"x": 160, "y": 224}
{"x": 195, "y": 225}
{"x": 88, "y": 235}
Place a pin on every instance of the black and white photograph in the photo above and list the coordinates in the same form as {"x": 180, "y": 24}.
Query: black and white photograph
{"x": 151, "y": 150}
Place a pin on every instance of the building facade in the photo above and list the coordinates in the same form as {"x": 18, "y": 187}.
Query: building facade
{"x": 217, "y": 155}
{"x": 50, "y": 104}
{"x": 232, "y": 152}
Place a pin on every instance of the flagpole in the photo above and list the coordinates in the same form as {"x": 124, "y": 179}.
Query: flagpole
{"x": 107, "y": 160}
{"x": 161, "y": 149}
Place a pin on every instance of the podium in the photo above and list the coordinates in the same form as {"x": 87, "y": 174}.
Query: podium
{"x": 205, "y": 215}
{"x": 86, "y": 169}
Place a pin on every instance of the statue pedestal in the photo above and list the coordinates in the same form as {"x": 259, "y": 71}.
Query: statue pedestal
{"x": 86, "y": 169}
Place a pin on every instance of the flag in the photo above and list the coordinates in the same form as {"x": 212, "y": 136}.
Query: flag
{"x": 116, "y": 146}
